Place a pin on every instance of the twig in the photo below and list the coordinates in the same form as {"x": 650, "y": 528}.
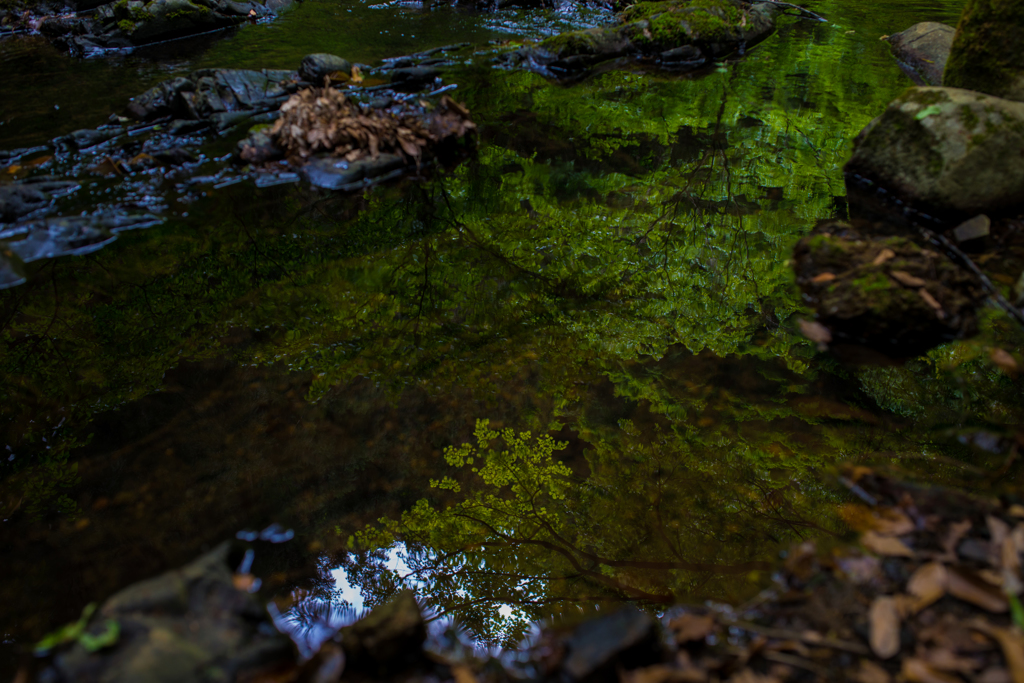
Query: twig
{"x": 967, "y": 263}
{"x": 807, "y": 12}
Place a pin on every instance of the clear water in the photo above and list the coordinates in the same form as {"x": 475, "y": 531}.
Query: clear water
{"x": 609, "y": 268}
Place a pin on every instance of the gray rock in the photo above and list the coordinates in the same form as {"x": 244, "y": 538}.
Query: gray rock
{"x": 972, "y": 229}
{"x": 332, "y": 173}
{"x": 987, "y": 52}
{"x": 598, "y": 649}
{"x": 207, "y": 92}
{"x": 953, "y": 151}
{"x": 314, "y": 67}
{"x": 922, "y": 51}
{"x": 190, "y": 624}
{"x": 390, "y": 638}
{"x": 12, "y": 270}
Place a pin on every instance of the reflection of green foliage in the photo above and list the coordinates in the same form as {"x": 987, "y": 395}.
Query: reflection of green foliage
{"x": 76, "y": 632}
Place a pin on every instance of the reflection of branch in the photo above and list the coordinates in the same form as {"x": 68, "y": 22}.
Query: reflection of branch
{"x": 575, "y": 563}
{"x": 740, "y": 568}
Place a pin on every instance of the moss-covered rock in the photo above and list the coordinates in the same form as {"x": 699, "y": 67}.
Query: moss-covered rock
{"x": 670, "y": 31}
{"x": 884, "y": 292}
{"x": 988, "y": 50}
{"x": 948, "y": 150}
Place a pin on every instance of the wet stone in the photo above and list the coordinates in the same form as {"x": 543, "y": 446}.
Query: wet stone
{"x": 190, "y": 624}
{"x": 316, "y": 66}
{"x": 596, "y": 650}
{"x": 922, "y": 51}
{"x": 973, "y": 229}
{"x": 884, "y": 292}
{"x": 22, "y": 198}
{"x": 336, "y": 174}
{"x": 414, "y": 78}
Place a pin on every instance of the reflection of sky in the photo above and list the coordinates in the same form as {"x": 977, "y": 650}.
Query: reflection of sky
{"x": 348, "y": 605}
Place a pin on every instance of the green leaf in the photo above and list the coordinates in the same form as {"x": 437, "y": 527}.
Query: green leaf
{"x": 928, "y": 111}
{"x": 107, "y": 638}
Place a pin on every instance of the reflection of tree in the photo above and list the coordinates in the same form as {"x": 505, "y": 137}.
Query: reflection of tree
{"x": 651, "y": 521}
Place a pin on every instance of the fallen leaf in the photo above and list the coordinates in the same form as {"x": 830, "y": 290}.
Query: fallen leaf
{"x": 823, "y": 277}
{"x": 1012, "y": 644}
{"x": 690, "y": 627}
{"x": 463, "y": 674}
{"x": 969, "y": 588}
{"x": 928, "y": 583}
{"x": 930, "y": 300}
{"x": 946, "y": 660}
{"x": 816, "y": 332}
{"x": 1004, "y": 361}
{"x": 918, "y": 671}
{"x": 885, "y": 545}
{"x": 883, "y": 256}
{"x": 906, "y": 279}
{"x": 243, "y": 582}
{"x": 357, "y": 77}
{"x": 957, "y": 530}
{"x": 884, "y": 621}
{"x": 1016, "y": 510}
{"x": 870, "y": 672}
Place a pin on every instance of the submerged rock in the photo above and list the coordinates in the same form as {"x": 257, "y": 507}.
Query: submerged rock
{"x": 922, "y": 51}
{"x": 671, "y": 32}
{"x": 952, "y": 151}
{"x": 885, "y": 293}
{"x": 988, "y": 50}
{"x": 189, "y": 624}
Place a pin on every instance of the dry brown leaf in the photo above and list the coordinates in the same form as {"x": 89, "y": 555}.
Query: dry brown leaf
{"x": 860, "y": 569}
{"x": 463, "y": 674}
{"x": 660, "y": 673}
{"x": 946, "y": 660}
{"x": 1004, "y": 361}
{"x": 931, "y": 301}
{"x": 906, "y": 279}
{"x": 823, "y": 277}
{"x": 957, "y": 530}
{"x": 885, "y": 545}
{"x": 964, "y": 585}
{"x": 690, "y": 627}
{"x": 357, "y": 77}
{"x": 928, "y": 584}
{"x": 816, "y": 332}
{"x": 243, "y": 582}
{"x": 1011, "y": 643}
{"x": 870, "y": 672}
{"x": 1016, "y": 510}
{"x": 884, "y": 622}
{"x": 918, "y": 671}
{"x": 883, "y": 256}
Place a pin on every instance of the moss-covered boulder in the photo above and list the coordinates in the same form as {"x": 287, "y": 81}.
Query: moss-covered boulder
{"x": 953, "y": 152}
{"x": 127, "y": 23}
{"x": 988, "y": 50}
{"x": 884, "y": 292}
{"x": 922, "y": 51}
{"x": 670, "y": 32}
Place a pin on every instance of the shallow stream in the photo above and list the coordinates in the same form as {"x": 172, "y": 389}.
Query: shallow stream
{"x": 610, "y": 268}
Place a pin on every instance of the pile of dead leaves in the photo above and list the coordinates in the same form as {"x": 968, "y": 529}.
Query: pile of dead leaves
{"x": 322, "y": 120}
